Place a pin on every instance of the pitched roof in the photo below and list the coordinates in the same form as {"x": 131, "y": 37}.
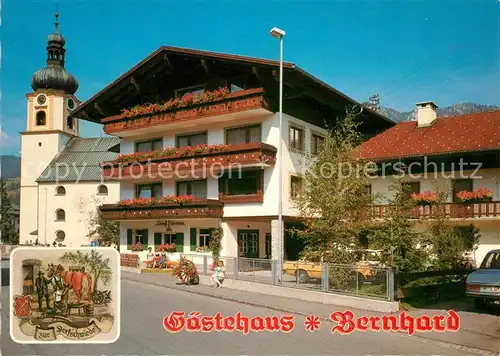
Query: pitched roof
{"x": 465, "y": 133}
{"x": 80, "y": 159}
{"x": 168, "y": 64}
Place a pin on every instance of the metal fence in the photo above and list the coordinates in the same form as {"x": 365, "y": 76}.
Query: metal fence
{"x": 357, "y": 279}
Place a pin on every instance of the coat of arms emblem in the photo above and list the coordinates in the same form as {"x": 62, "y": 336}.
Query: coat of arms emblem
{"x": 22, "y": 306}
{"x": 64, "y": 295}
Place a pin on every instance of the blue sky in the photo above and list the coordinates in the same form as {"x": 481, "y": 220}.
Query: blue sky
{"x": 407, "y": 51}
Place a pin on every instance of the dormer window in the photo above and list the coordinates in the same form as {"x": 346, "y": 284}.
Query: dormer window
{"x": 41, "y": 118}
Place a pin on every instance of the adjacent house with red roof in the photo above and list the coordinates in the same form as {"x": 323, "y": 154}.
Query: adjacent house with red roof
{"x": 456, "y": 155}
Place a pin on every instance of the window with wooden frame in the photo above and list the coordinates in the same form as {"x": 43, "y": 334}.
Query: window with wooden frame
{"x": 367, "y": 189}
{"x": 194, "y": 139}
{"x": 244, "y": 134}
{"x": 204, "y": 237}
{"x": 149, "y": 145}
{"x": 411, "y": 187}
{"x": 296, "y": 137}
{"x": 153, "y": 190}
{"x": 195, "y": 188}
{"x": 241, "y": 182}
{"x": 317, "y": 142}
{"x": 195, "y": 90}
{"x": 461, "y": 185}
{"x": 296, "y": 186}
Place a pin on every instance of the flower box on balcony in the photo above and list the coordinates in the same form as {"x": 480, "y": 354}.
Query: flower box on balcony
{"x": 214, "y": 103}
{"x": 477, "y": 196}
{"x": 425, "y": 198}
{"x": 166, "y": 200}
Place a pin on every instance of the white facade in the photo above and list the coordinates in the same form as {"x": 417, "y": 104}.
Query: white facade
{"x": 40, "y": 146}
{"x": 292, "y": 165}
{"x": 79, "y": 203}
{"x": 443, "y": 182}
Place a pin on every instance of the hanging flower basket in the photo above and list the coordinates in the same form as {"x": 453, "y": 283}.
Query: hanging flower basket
{"x": 425, "y": 198}
{"x": 476, "y": 196}
{"x": 186, "y": 272}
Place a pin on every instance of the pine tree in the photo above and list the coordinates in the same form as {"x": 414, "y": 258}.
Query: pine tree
{"x": 8, "y": 233}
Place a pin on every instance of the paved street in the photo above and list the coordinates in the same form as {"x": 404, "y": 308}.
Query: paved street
{"x": 142, "y": 333}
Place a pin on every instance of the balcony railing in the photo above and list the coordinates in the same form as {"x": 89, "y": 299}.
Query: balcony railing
{"x": 489, "y": 209}
{"x": 209, "y": 208}
{"x": 243, "y": 100}
{"x": 190, "y": 159}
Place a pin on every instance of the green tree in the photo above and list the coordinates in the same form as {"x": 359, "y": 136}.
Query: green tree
{"x": 8, "y": 232}
{"x": 449, "y": 242}
{"x": 333, "y": 202}
{"x": 401, "y": 245}
{"x": 92, "y": 261}
{"x": 109, "y": 232}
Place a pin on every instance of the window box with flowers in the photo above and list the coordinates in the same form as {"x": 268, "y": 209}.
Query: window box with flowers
{"x": 477, "y": 196}
{"x": 425, "y": 198}
{"x": 166, "y": 248}
{"x": 202, "y": 249}
{"x": 137, "y": 247}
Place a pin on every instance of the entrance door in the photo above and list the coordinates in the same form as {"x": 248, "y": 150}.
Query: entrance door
{"x": 248, "y": 243}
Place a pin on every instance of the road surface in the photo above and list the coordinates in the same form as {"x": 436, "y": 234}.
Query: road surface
{"x": 142, "y": 333}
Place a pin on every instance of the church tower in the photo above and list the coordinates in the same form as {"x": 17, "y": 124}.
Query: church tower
{"x": 48, "y": 127}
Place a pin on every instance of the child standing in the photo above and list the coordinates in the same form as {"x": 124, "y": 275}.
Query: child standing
{"x": 219, "y": 275}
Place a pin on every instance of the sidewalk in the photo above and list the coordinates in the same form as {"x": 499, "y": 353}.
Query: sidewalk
{"x": 478, "y": 331}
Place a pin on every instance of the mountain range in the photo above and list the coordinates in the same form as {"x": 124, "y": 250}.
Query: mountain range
{"x": 10, "y": 166}
{"x": 453, "y": 110}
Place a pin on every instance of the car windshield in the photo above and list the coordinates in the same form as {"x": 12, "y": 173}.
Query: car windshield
{"x": 491, "y": 261}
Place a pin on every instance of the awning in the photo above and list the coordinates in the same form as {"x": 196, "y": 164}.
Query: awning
{"x": 34, "y": 233}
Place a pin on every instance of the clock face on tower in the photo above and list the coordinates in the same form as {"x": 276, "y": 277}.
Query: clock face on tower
{"x": 41, "y": 99}
{"x": 71, "y": 104}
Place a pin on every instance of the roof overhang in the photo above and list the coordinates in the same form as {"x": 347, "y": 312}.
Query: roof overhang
{"x": 144, "y": 82}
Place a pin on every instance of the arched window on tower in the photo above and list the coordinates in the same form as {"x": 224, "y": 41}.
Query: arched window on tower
{"x": 40, "y": 118}
{"x": 60, "y": 215}
{"x": 70, "y": 123}
{"x": 60, "y": 190}
{"x": 102, "y": 190}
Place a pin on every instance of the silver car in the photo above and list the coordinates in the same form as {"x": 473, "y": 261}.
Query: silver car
{"x": 484, "y": 284}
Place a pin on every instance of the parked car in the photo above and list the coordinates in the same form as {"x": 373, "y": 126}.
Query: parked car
{"x": 307, "y": 269}
{"x": 484, "y": 284}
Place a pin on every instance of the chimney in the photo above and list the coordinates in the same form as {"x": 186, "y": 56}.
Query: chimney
{"x": 426, "y": 113}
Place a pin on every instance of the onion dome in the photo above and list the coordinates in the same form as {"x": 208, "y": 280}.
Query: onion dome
{"x": 54, "y": 75}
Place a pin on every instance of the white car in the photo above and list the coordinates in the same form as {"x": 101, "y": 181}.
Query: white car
{"x": 484, "y": 284}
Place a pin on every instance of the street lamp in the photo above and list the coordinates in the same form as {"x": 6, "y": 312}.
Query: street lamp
{"x": 279, "y": 34}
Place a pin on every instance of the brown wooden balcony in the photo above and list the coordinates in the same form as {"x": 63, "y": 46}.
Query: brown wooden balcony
{"x": 169, "y": 162}
{"x": 208, "y": 208}
{"x": 244, "y": 100}
{"x": 480, "y": 210}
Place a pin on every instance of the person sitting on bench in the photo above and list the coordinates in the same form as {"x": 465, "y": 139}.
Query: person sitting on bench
{"x": 162, "y": 263}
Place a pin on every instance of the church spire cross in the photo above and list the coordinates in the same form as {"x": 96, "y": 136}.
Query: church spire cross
{"x": 57, "y": 23}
